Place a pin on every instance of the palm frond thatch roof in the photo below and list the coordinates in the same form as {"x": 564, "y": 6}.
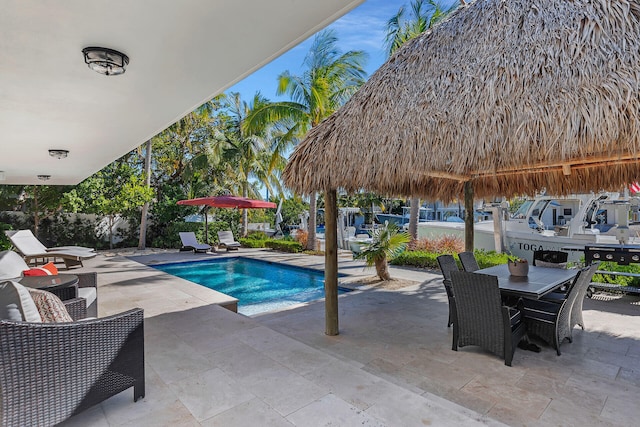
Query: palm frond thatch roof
{"x": 511, "y": 96}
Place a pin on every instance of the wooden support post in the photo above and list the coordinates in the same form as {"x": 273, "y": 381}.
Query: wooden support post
{"x": 468, "y": 218}
{"x": 331, "y": 262}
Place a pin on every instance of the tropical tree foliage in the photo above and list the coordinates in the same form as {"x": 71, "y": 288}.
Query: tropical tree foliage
{"x": 249, "y": 151}
{"x": 117, "y": 189}
{"x": 406, "y": 25}
{"x": 329, "y": 79}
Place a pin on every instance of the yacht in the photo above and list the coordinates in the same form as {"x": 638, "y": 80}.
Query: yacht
{"x": 552, "y": 223}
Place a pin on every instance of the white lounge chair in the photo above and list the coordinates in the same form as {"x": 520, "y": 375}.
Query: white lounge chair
{"x": 32, "y": 249}
{"x": 226, "y": 239}
{"x": 189, "y": 242}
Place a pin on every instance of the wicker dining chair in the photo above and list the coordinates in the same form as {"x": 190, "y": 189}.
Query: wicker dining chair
{"x": 448, "y": 264}
{"x": 549, "y": 258}
{"x": 52, "y": 371}
{"x": 468, "y": 261}
{"x": 576, "y": 308}
{"x": 553, "y": 322}
{"x": 481, "y": 318}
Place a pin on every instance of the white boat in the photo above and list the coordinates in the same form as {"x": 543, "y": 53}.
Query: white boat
{"x": 552, "y": 223}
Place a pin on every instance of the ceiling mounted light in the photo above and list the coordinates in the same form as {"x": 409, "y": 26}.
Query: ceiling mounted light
{"x": 44, "y": 177}
{"x": 105, "y": 61}
{"x": 59, "y": 154}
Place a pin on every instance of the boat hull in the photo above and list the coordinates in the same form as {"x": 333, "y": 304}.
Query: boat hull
{"x": 520, "y": 244}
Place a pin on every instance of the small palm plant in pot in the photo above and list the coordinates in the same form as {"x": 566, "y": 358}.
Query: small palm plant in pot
{"x": 388, "y": 242}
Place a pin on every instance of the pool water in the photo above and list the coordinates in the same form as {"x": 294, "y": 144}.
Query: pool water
{"x": 259, "y": 286}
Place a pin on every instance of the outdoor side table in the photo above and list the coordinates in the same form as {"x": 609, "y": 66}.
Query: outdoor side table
{"x": 64, "y": 286}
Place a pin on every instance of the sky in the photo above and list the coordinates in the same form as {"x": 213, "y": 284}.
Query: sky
{"x": 363, "y": 28}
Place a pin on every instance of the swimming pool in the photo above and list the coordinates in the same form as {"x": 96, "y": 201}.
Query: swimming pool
{"x": 259, "y": 286}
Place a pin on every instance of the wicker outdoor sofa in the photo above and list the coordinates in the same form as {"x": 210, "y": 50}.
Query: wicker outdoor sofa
{"x": 52, "y": 371}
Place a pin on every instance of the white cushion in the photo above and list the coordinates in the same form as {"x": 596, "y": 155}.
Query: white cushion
{"x": 89, "y": 294}
{"x": 540, "y": 263}
{"x": 17, "y": 304}
{"x": 11, "y": 265}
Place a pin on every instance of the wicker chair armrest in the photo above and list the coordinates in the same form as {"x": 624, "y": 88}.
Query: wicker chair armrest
{"x": 51, "y": 371}
{"x": 77, "y": 308}
{"x": 506, "y": 321}
{"x": 65, "y": 293}
{"x": 87, "y": 280}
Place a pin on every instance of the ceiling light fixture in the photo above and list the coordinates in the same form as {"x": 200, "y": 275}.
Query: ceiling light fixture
{"x": 44, "y": 177}
{"x": 105, "y": 61}
{"x": 59, "y": 154}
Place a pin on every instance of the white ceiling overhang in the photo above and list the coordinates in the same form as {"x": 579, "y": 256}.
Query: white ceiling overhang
{"x": 182, "y": 53}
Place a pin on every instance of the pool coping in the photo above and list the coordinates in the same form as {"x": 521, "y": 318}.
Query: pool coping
{"x": 232, "y": 305}
{"x": 227, "y": 301}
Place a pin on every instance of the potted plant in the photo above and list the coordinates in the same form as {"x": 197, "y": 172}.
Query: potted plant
{"x": 518, "y": 266}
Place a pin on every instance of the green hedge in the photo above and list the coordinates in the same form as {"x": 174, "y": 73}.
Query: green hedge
{"x": 426, "y": 259}
{"x": 171, "y": 236}
{"x": 618, "y": 280}
{"x": 284, "y": 245}
{"x": 249, "y": 242}
{"x": 489, "y": 259}
{"x": 421, "y": 259}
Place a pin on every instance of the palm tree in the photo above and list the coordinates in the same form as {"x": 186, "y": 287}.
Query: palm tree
{"x": 423, "y": 16}
{"x": 388, "y": 242}
{"x": 400, "y": 29}
{"x": 330, "y": 78}
{"x": 248, "y": 151}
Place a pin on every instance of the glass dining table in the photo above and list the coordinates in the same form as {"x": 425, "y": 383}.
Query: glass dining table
{"x": 539, "y": 282}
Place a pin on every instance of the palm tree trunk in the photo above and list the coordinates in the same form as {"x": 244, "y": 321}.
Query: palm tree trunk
{"x": 112, "y": 221}
{"x": 382, "y": 268}
{"x": 142, "y": 240}
{"x": 414, "y": 214}
{"x": 311, "y": 239}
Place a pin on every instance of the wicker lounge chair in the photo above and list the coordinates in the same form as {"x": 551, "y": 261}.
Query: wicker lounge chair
{"x": 226, "y": 239}
{"x": 52, "y": 371}
{"x": 469, "y": 262}
{"x": 448, "y": 264}
{"x": 190, "y": 243}
{"x": 32, "y": 249}
{"x": 553, "y": 322}
{"x": 481, "y": 318}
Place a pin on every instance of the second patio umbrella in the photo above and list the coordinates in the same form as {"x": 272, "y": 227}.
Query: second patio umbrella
{"x": 225, "y": 202}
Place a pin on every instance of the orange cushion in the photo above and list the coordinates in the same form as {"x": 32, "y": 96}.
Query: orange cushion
{"x": 48, "y": 269}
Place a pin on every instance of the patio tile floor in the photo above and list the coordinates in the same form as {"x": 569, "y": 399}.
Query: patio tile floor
{"x": 391, "y": 365}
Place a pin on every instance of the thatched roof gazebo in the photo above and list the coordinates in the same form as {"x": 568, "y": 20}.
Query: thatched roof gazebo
{"x": 502, "y": 98}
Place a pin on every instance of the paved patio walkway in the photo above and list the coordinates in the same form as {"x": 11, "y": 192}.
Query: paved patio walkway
{"x": 391, "y": 365}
